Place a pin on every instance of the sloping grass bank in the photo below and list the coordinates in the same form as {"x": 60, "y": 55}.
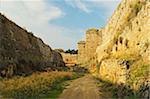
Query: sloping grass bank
{"x": 109, "y": 90}
{"x": 38, "y": 85}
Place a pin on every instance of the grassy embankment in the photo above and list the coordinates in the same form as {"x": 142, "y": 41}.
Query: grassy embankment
{"x": 37, "y": 85}
{"x": 139, "y": 70}
{"x": 114, "y": 91}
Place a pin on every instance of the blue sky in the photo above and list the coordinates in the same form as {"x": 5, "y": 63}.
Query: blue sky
{"x": 60, "y": 23}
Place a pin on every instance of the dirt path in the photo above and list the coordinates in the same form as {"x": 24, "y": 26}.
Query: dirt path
{"x": 82, "y": 88}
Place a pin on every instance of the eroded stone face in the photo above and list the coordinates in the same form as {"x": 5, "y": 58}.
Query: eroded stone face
{"x": 69, "y": 59}
{"x": 114, "y": 70}
{"x": 22, "y": 53}
{"x": 132, "y": 26}
{"x": 126, "y": 37}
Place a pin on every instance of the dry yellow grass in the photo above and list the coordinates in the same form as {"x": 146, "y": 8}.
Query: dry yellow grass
{"x": 33, "y": 85}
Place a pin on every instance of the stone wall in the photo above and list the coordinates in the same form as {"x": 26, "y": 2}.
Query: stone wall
{"x": 69, "y": 59}
{"x": 22, "y": 53}
{"x": 93, "y": 39}
{"x": 87, "y": 48}
{"x": 125, "y": 49}
{"x": 81, "y": 52}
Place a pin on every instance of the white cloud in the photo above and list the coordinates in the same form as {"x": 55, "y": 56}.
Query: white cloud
{"x": 33, "y": 9}
{"x": 109, "y": 6}
{"x": 78, "y": 4}
{"x": 88, "y": 5}
{"x": 82, "y": 6}
{"x": 101, "y": 0}
{"x": 36, "y": 16}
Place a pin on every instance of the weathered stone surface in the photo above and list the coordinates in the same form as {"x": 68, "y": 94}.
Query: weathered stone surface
{"x": 93, "y": 39}
{"x": 69, "y": 59}
{"x": 23, "y": 53}
{"x": 87, "y": 48}
{"x": 81, "y": 52}
{"x": 124, "y": 54}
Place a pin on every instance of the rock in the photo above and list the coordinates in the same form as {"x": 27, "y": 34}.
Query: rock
{"x": 22, "y": 53}
{"x": 125, "y": 45}
{"x": 123, "y": 51}
{"x": 69, "y": 59}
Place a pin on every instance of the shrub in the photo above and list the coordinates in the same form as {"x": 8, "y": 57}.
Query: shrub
{"x": 138, "y": 7}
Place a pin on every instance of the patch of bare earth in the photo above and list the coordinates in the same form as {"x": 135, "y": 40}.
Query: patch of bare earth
{"x": 82, "y": 88}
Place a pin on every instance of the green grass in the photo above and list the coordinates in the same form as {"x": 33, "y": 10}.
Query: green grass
{"x": 58, "y": 88}
{"x": 39, "y": 85}
{"x": 138, "y": 70}
{"x": 138, "y": 7}
{"x": 1, "y": 78}
{"x": 55, "y": 91}
{"x": 115, "y": 91}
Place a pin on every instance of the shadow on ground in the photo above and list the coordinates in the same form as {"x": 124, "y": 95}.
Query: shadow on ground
{"x": 115, "y": 91}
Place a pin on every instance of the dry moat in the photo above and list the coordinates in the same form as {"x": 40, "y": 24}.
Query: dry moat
{"x": 112, "y": 62}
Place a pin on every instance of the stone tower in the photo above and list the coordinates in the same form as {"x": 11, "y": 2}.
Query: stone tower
{"x": 81, "y": 52}
{"x": 93, "y": 39}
